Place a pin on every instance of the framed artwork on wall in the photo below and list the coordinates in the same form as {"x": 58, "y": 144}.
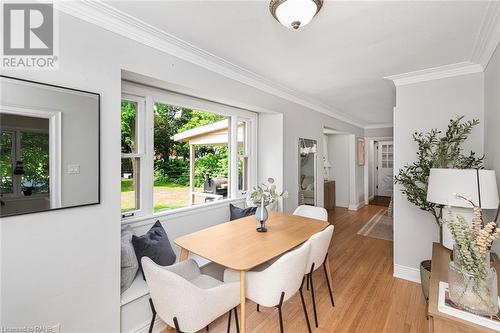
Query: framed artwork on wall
{"x": 361, "y": 151}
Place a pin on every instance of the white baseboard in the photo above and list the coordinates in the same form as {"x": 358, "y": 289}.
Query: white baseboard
{"x": 407, "y": 273}
{"x": 357, "y": 206}
{"x": 342, "y": 204}
{"x": 158, "y": 327}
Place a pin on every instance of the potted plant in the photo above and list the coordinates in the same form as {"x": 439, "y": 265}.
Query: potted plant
{"x": 436, "y": 150}
{"x": 263, "y": 196}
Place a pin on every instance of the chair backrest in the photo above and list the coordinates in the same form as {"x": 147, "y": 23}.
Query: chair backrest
{"x": 168, "y": 285}
{"x": 320, "y": 242}
{"x": 284, "y": 275}
{"x": 313, "y": 212}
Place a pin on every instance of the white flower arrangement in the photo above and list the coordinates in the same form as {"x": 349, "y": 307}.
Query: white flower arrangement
{"x": 266, "y": 193}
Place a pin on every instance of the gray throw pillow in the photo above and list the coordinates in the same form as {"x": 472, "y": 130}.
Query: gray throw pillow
{"x": 129, "y": 265}
{"x": 154, "y": 245}
{"x": 238, "y": 213}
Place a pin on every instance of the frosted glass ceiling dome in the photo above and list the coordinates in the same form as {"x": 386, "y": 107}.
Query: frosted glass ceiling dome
{"x": 294, "y": 14}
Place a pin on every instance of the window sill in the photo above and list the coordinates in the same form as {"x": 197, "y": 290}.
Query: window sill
{"x": 182, "y": 211}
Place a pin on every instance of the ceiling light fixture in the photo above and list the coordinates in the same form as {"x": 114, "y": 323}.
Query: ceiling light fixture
{"x": 294, "y": 13}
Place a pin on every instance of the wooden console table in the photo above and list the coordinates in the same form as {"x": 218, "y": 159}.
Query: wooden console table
{"x": 442, "y": 322}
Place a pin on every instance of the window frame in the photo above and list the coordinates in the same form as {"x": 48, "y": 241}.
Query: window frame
{"x": 139, "y": 154}
{"x": 152, "y": 95}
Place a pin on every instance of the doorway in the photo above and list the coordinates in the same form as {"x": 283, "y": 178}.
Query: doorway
{"x": 384, "y": 169}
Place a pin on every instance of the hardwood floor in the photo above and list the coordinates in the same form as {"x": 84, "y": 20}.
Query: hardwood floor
{"x": 380, "y": 201}
{"x": 367, "y": 297}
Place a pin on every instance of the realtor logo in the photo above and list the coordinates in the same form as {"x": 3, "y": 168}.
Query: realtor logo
{"x": 28, "y": 36}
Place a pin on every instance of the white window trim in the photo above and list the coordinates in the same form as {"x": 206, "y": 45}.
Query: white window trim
{"x": 55, "y": 117}
{"x": 151, "y": 95}
{"x": 141, "y": 152}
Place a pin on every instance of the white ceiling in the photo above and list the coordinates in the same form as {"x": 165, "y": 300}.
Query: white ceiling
{"x": 340, "y": 58}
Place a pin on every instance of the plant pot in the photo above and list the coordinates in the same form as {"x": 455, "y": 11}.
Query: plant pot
{"x": 261, "y": 215}
{"x": 425, "y": 278}
{"x": 28, "y": 191}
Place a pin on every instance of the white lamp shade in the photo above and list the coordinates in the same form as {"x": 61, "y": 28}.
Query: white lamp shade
{"x": 292, "y": 11}
{"x": 444, "y": 184}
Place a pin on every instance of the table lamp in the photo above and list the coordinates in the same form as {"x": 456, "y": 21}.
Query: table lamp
{"x": 480, "y": 186}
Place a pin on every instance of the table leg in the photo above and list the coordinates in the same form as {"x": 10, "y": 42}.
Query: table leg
{"x": 184, "y": 254}
{"x": 329, "y": 272}
{"x": 243, "y": 299}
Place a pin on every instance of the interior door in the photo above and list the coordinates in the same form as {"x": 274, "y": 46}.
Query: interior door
{"x": 385, "y": 167}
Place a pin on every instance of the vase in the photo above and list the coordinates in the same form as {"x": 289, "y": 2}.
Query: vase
{"x": 261, "y": 215}
{"x": 476, "y": 295}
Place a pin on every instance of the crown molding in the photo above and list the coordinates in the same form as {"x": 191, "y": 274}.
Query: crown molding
{"x": 489, "y": 35}
{"x": 376, "y": 126}
{"x": 435, "y": 73}
{"x": 116, "y": 21}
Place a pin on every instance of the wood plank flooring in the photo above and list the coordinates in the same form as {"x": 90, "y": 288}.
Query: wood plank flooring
{"x": 367, "y": 297}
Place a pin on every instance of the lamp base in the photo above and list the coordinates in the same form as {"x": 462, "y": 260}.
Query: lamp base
{"x": 466, "y": 213}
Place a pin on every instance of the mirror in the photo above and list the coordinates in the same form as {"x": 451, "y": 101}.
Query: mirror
{"x": 49, "y": 147}
{"x": 307, "y": 171}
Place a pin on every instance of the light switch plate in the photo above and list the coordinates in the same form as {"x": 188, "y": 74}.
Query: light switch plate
{"x": 73, "y": 169}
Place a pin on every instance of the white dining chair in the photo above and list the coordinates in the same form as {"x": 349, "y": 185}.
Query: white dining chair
{"x": 271, "y": 284}
{"x": 186, "y": 299}
{"x": 313, "y": 212}
{"x": 318, "y": 255}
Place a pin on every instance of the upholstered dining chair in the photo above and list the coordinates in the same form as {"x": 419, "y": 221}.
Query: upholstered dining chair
{"x": 186, "y": 299}
{"x": 318, "y": 255}
{"x": 318, "y": 213}
{"x": 271, "y": 284}
{"x": 319, "y": 250}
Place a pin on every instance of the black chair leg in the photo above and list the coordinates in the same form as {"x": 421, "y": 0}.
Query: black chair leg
{"x": 304, "y": 306}
{"x": 328, "y": 282}
{"x": 153, "y": 310}
{"x": 312, "y": 295}
{"x": 229, "y": 321}
{"x": 258, "y": 308}
{"x": 176, "y": 323}
{"x": 236, "y": 319}
{"x": 207, "y": 328}
{"x": 282, "y": 330}
{"x": 307, "y": 282}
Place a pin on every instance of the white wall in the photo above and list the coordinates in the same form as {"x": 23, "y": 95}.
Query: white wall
{"x": 370, "y": 149}
{"x": 338, "y": 153}
{"x": 492, "y": 118}
{"x": 384, "y": 132}
{"x": 270, "y": 141}
{"x": 421, "y": 107}
{"x": 359, "y": 199}
{"x": 64, "y": 267}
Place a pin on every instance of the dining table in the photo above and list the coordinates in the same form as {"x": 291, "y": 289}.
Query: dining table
{"x": 238, "y": 246}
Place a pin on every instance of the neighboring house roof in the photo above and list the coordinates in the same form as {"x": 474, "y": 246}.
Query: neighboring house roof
{"x": 216, "y": 134}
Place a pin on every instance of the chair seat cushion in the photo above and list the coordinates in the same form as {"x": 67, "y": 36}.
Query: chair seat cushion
{"x": 205, "y": 282}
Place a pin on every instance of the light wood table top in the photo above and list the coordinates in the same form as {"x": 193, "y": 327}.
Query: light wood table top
{"x": 237, "y": 245}
{"x": 439, "y": 321}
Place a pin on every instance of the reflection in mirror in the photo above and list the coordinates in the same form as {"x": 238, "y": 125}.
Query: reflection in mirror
{"x": 49, "y": 147}
{"x": 307, "y": 172}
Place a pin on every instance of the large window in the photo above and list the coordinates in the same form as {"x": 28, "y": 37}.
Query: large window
{"x": 179, "y": 151}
